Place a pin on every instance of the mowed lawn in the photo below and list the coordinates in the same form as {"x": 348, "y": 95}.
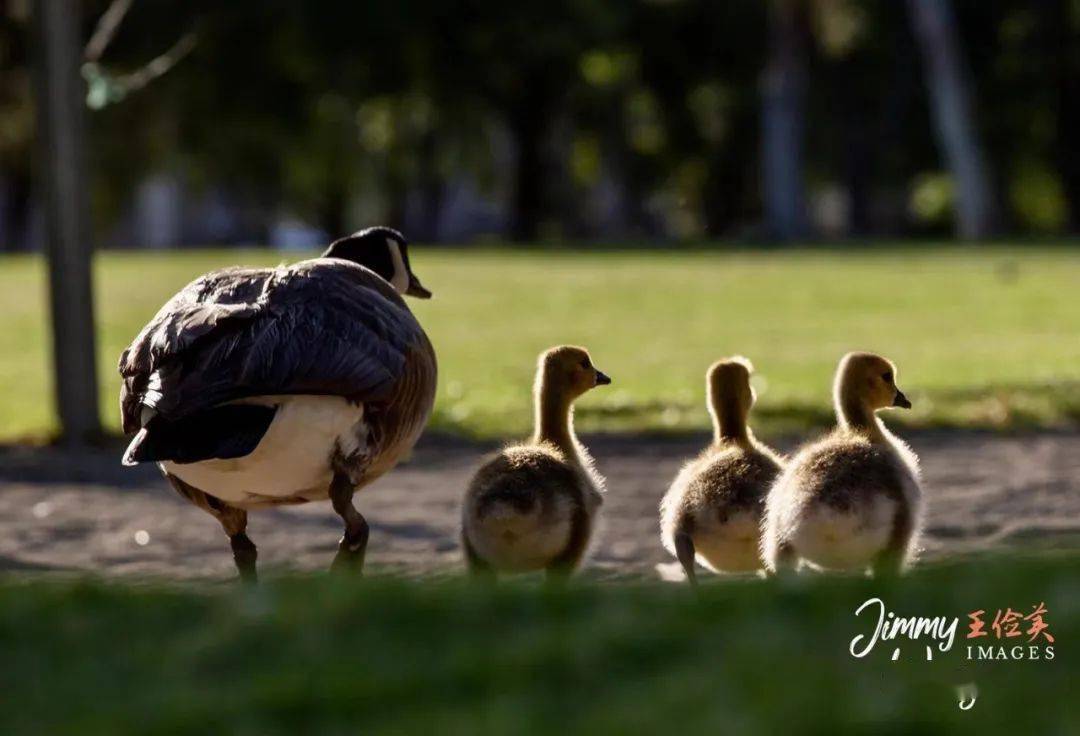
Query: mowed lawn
{"x": 983, "y": 336}
{"x": 340, "y": 655}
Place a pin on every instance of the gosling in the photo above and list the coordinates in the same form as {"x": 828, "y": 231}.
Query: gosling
{"x": 532, "y": 506}
{"x": 850, "y": 501}
{"x": 713, "y": 510}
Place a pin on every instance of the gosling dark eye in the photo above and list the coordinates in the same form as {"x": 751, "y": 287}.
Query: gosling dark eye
{"x": 585, "y": 363}
{"x": 887, "y": 376}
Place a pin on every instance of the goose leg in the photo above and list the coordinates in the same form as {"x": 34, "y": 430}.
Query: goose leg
{"x": 245, "y": 554}
{"x": 353, "y": 544}
{"x": 232, "y": 520}
{"x": 684, "y": 550}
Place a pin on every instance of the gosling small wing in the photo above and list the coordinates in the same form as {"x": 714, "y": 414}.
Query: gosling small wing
{"x": 323, "y": 326}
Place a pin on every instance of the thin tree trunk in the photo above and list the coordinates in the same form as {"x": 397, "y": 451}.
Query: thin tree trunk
{"x": 783, "y": 121}
{"x": 951, "y": 108}
{"x": 60, "y": 98}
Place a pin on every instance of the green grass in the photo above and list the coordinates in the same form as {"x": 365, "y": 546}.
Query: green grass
{"x": 330, "y": 656}
{"x": 983, "y": 336}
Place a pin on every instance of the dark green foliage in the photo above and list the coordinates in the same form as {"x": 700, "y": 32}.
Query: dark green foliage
{"x": 308, "y": 107}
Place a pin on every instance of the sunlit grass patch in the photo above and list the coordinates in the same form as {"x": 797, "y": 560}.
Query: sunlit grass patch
{"x": 984, "y": 337}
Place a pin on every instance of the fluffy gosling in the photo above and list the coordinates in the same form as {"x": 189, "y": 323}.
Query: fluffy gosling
{"x": 532, "y": 506}
{"x": 714, "y": 507}
{"x": 853, "y": 499}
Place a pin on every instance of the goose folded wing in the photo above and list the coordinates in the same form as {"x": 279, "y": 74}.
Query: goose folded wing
{"x": 318, "y": 331}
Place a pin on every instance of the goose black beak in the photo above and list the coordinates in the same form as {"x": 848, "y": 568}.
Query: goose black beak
{"x": 901, "y": 401}
{"x": 602, "y": 379}
{"x": 416, "y": 289}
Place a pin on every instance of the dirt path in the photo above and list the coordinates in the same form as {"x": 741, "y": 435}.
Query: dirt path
{"x": 61, "y": 511}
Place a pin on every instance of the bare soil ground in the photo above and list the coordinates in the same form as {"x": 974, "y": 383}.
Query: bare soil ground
{"x": 62, "y": 511}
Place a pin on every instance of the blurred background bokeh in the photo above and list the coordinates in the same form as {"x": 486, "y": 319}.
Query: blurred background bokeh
{"x": 662, "y": 180}
{"x": 283, "y": 123}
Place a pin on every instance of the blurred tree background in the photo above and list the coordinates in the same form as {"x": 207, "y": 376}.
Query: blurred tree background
{"x": 283, "y": 123}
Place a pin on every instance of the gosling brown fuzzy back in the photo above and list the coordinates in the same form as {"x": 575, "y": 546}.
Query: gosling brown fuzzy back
{"x": 532, "y": 506}
{"x": 712, "y": 512}
{"x": 852, "y": 499}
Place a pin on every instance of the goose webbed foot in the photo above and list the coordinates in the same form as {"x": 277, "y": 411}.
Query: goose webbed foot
{"x": 353, "y": 545}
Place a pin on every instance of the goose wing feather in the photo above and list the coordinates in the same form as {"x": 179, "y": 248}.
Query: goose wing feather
{"x": 323, "y": 326}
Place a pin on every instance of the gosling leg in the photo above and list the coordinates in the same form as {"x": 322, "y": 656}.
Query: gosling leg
{"x": 891, "y": 560}
{"x": 786, "y": 563}
{"x": 564, "y": 565}
{"x": 478, "y": 568}
{"x": 353, "y": 544}
{"x": 684, "y": 550}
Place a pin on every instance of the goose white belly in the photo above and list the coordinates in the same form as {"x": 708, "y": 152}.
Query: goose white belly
{"x": 291, "y": 461}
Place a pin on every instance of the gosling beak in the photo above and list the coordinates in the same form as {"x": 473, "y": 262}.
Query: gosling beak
{"x": 602, "y": 379}
{"x": 901, "y": 401}
{"x": 416, "y": 289}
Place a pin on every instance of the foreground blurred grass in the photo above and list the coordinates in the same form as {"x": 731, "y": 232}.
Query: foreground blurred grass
{"x": 983, "y": 337}
{"x": 324, "y": 655}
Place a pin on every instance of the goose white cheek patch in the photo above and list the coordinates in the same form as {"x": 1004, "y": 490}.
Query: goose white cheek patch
{"x": 400, "y": 279}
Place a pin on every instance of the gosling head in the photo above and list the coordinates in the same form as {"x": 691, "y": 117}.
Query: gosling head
{"x": 386, "y": 252}
{"x": 728, "y": 384}
{"x": 868, "y": 381}
{"x": 568, "y": 371}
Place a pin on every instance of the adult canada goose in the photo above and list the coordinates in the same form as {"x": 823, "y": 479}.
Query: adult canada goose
{"x": 714, "y": 508}
{"x": 532, "y": 506}
{"x": 853, "y": 499}
{"x": 254, "y": 387}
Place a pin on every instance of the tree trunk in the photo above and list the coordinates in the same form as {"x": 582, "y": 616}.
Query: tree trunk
{"x": 951, "y": 108}
{"x": 783, "y": 121}
{"x": 60, "y": 94}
